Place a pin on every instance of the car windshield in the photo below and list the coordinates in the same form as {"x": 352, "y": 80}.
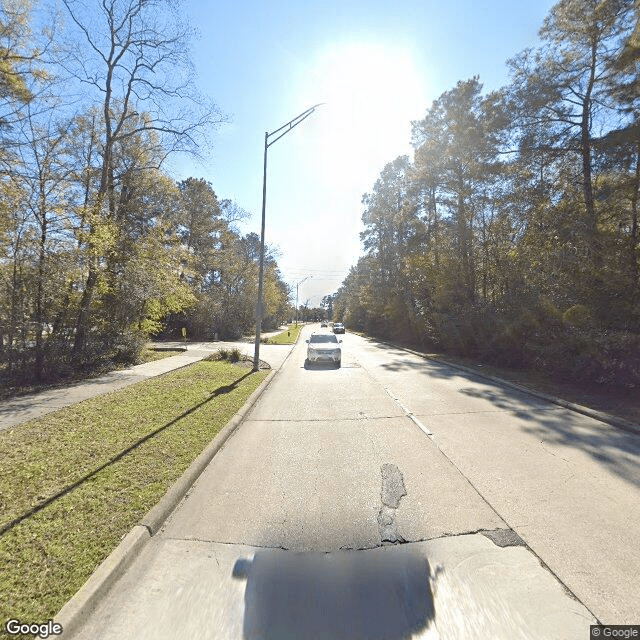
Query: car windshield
{"x": 327, "y": 338}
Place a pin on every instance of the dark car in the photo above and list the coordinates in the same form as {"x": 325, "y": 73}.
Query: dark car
{"x": 338, "y": 327}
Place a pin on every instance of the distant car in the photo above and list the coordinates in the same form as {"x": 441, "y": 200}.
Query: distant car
{"x": 324, "y": 347}
{"x": 323, "y": 324}
{"x": 338, "y": 327}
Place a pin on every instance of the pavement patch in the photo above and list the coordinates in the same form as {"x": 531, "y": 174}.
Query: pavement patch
{"x": 504, "y": 538}
{"x": 393, "y": 490}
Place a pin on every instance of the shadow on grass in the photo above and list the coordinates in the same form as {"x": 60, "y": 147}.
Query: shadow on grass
{"x": 69, "y": 488}
{"x": 226, "y": 388}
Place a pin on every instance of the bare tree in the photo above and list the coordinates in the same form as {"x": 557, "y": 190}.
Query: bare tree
{"x": 133, "y": 54}
{"x": 45, "y": 174}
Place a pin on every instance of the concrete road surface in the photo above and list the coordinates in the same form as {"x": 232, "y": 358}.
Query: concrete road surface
{"x": 567, "y": 484}
{"x": 331, "y": 513}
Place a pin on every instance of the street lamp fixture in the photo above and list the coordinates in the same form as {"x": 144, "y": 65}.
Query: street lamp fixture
{"x": 283, "y": 130}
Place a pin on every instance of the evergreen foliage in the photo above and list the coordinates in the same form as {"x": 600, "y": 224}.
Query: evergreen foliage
{"x": 512, "y": 233}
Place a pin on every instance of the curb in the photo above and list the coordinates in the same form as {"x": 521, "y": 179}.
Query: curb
{"x": 87, "y": 598}
{"x": 614, "y": 421}
{"x": 158, "y": 514}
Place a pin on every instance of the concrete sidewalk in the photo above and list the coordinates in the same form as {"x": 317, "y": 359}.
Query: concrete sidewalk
{"x": 36, "y": 405}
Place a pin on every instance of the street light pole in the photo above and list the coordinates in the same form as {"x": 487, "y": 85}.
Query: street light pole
{"x": 297, "y": 285}
{"x": 285, "y": 128}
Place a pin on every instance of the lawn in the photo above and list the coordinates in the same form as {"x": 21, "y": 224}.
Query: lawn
{"x": 151, "y": 354}
{"x": 73, "y": 483}
{"x": 286, "y": 337}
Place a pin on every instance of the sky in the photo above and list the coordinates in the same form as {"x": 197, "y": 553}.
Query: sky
{"x": 376, "y": 65}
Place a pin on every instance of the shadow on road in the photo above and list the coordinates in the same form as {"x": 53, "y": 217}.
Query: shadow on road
{"x": 320, "y": 366}
{"x": 615, "y": 449}
{"x": 400, "y": 360}
{"x": 343, "y": 595}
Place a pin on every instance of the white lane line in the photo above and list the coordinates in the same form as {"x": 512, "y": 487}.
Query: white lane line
{"x": 422, "y": 427}
{"x": 410, "y": 414}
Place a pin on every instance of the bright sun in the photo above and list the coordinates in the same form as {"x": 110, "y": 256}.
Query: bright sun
{"x": 372, "y": 92}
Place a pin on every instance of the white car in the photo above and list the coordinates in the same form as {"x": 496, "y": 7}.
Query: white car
{"x": 324, "y": 347}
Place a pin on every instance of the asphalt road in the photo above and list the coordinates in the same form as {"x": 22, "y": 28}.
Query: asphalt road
{"x": 332, "y": 513}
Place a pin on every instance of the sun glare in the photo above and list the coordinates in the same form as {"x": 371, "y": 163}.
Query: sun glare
{"x": 372, "y": 92}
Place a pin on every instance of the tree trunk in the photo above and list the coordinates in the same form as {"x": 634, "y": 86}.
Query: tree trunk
{"x": 585, "y": 147}
{"x": 83, "y": 313}
{"x": 633, "y": 239}
{"x": 39, "y": 316}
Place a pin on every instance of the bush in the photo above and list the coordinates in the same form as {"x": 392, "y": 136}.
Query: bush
{"x": 104, "y": 351}
{"x": 220, "y": 354}
{"x": 537, "y": 335}
{"x": 590, "y": 356}
{"x": 125, "y": 348}
{"x": 231, "y": 355}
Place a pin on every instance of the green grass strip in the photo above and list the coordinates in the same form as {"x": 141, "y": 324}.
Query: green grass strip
{"x": 73, "y": 483}
{"x": 286, "y": 337}
{"x": 149, "y": 354}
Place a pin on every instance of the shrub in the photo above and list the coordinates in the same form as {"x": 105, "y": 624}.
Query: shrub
{"x": 220, "y": 354}
{"x": 537, "y": 335}
{"x": 230, "y": 355}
